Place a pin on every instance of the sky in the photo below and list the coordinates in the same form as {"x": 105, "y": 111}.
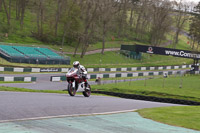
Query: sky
{"x": 196, "y": 1}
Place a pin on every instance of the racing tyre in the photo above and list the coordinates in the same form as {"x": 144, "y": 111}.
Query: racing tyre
{"x": 71, "y": 90}
{"x": 86, "y": 92}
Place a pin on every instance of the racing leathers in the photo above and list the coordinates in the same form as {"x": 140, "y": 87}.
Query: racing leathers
{"x": 83, "y": 73}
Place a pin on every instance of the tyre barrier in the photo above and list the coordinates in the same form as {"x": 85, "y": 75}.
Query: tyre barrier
{"x": 149, "y": 98}
{"x": 12, "y": 79}
{"x": 17, "y": 69}
{"x": 122, "y": 75}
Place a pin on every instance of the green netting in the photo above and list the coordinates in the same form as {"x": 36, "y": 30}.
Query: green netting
{"x": 31, "y": 55}
{"x": 131, "y": 54}
{"x": 30, "y": 51}
{"x": 11, "y": 51}
{"x": 49, "y": 53}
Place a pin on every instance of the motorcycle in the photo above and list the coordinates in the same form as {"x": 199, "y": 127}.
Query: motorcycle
{"x": 75, "y": 81}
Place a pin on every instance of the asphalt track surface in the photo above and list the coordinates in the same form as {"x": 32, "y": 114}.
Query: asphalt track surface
{"x": 21, "y": 105}
{"x": 22, "y": 112}
{"x": 15, "y": 103}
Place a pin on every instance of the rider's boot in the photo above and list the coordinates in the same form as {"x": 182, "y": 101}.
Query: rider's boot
{"x": 86, "y": 83}
{"x": 87, "y": 86}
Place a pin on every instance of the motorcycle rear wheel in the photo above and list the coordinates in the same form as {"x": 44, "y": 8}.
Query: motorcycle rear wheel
{"x": 87, "y": 93}
{"x": 71, "y": 90}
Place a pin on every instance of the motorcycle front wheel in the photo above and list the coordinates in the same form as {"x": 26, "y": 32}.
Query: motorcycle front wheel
{"x": 86, "y": 92}
{"x": 71, "y": 90}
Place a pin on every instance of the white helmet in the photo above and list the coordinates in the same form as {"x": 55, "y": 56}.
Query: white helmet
{"x": 76, "y": 64}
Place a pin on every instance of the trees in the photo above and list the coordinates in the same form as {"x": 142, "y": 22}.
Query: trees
{"x": 84, "y": 22}
{"x": 57, "y": 15}
{"x": 153, "y": 20}
{"x": 20, "y": 11}
{"x": 7, "y": 10}
{"x": 133, "y": 4}
{"x": 142, "y": 26}
{"x": 40, "y": 17}
{"x": 1, "y": 2}
{"x": 88, "y": 18}
{"x": 195, "y": 27}
{"x": 107, "y": 9}
{"x": 70, "y": 19}
{"x": 161, "y": 21}
{"x": 180, "y": 16}
{"x": 122, "y": 18}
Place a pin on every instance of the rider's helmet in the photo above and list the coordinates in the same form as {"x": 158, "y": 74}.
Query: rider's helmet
{"x": 76, "y": 64}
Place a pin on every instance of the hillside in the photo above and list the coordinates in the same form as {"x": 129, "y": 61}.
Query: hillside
{"x": 51, "y": 24}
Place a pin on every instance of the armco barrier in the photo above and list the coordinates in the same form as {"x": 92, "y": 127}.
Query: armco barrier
{"x": 17, "y": 69}
{"x": 11, "y": 79}
{"x": 149, "y": 98}
{"x": 118, "y": 75}
{"x": 137, "y": 68}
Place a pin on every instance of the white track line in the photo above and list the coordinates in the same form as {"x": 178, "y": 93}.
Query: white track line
{"x": 62, "y": 116}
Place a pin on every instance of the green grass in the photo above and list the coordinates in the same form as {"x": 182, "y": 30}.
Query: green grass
{"x": 4, "y": 88}
{"x": 187, "y": 24}
{"x": 182, "y": 44}
{"x": 112, "y": 44}
{"x": 15, "y": 33}
{"x": 154, "y": 87}
{"x": 123, "y": 78}
{"x": 109, "y": 60}
{"x": 95, "y": 46}
{"x": 114, "y": 59}
{"x": 183, "y": 116}
{"x": 14, "y": 89}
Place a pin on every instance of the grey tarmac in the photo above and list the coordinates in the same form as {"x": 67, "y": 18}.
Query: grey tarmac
{"x": 21, "y": 105}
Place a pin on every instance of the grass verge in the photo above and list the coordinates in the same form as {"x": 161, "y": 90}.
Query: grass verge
{"x": 4, "y": 88}
{"x": 182, "y": 116}
{"x": 110, "y": 59}
{"x": 179, "y": 87}
{"x": 14, "y": 89}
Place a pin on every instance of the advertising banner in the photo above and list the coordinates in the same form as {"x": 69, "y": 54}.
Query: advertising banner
{"x": 49, "y": 70}
{"x": 162, "y": 51}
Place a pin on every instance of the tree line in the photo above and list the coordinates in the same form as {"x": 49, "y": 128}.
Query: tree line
{"x": 83, "y": 22}
{"x": 194, "y": 31}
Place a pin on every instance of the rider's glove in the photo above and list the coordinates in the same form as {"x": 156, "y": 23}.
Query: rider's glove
{"x": 81, "y": 75}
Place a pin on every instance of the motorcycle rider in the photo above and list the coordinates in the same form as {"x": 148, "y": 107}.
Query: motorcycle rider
{"x": 82, "y": 71}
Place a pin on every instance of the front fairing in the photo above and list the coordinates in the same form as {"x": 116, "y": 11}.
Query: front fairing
{"x": 73, "y": 75}
{"x": 72, "y": 72}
